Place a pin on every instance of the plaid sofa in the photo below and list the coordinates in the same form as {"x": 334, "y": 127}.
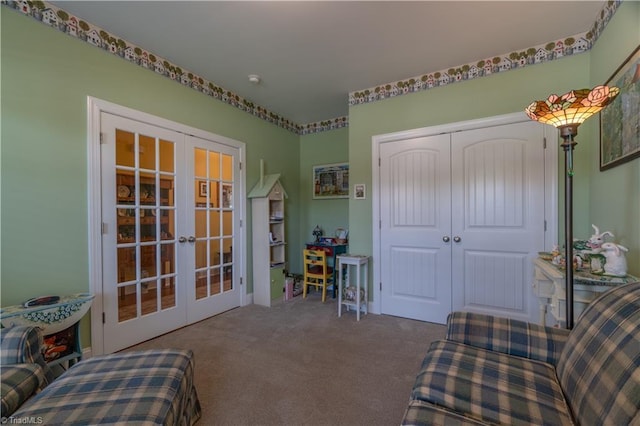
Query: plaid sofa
{"x": 492, "y": 370}
{"x": 152, "y": 387}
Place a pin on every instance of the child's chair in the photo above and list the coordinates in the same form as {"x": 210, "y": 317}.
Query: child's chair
{"x": 316, "y": 272}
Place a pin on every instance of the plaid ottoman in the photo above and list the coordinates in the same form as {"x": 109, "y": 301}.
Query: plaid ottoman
{"x": 153, "y": 387}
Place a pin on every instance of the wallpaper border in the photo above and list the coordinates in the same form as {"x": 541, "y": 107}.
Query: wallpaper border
{"x": 61, "y": 20}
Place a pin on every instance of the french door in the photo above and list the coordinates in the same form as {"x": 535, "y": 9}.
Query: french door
{"x": 169, "y": 228}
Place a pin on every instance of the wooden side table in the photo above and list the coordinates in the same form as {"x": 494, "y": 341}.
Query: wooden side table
{"x": 360, "y": 300}
{"x": 548, "y": 286}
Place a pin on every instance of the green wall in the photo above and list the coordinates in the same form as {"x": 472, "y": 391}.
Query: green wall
{"x": 321, "y": 148}
{"x": 46, "y": 78}
{"x": 614, "y": 204}
{"x": 505, "y": 93}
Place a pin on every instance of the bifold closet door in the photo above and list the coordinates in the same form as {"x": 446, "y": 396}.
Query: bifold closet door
{"x": 498, "y": 216}
{"x": 461, "y": 220}
{"x": 415, "y": 199}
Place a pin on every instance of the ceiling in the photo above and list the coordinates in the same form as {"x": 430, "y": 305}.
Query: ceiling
{"x": 311, "y": 54}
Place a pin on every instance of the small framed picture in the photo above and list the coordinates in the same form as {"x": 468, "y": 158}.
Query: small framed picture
{"x": 359, "y": 190}
{"x": 202, "y": 186}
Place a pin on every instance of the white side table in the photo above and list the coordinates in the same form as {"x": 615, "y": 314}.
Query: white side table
{"x": 548, "y": 286}
{"x": 359, "y": 262}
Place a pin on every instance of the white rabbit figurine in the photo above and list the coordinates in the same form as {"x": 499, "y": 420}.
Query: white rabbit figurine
{"x": 597, "y": 239}
{"x": 616, "y": 264}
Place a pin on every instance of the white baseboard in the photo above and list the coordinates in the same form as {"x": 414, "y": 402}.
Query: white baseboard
{"x": 248, "y": 300}
{"x": 87, "y": 353}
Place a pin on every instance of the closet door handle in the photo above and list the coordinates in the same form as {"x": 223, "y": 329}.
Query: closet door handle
{"x": 192, "y": 239}
{"x": 457, "y": 239}
{"x": 445, "y": 239}
{"x": 182, "y": 240}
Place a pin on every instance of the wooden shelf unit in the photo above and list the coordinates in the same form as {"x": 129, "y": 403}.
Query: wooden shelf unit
{"x": 269, "y": 240}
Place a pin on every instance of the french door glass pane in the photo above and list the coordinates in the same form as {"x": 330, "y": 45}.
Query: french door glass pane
{"x": 146, "y": 212}
{"x": 213, "y": 188}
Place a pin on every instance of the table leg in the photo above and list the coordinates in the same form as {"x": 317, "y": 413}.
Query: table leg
{"x": 543, "y": 312}
{"x": 358, "y": 291}
{"x": 339, "y": 288}
{"x": 366, "y": 287}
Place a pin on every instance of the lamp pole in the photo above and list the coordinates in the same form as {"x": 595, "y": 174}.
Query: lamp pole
{"x": 568, "y": 132}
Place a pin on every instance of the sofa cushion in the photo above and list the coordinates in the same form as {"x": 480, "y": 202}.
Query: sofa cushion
{"x": 18, "y": 383}
{"x": 491, "y": 386}
{"x": 599, "y": 368}
{"x": 510, "y": 336}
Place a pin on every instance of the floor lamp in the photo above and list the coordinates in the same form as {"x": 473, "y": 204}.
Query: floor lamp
{"x": 566, "y": 113}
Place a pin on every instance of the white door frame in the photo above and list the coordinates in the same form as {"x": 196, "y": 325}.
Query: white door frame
{"x": 550, "y": 180}
{"x": 95, "y": 107}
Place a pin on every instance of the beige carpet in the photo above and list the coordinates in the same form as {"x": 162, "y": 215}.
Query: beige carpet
{"x": 297, "y": 363}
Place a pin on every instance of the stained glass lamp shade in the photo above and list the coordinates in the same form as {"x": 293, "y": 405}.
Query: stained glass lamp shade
{"x": 573, "y": 107}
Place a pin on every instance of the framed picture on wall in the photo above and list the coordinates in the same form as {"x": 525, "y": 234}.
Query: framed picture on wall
{"x": 202, "y": 188}
{"x": 331, "y": 181}
{"x": 360, "y": 191}
{"x": 620, "y": 121}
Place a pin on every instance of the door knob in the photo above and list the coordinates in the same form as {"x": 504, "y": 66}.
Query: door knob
{"x": 192, "y": 239}
{"x": 457, "y": 239}
{"x": 182, "y": 240}
{"x": 445, "y": 239}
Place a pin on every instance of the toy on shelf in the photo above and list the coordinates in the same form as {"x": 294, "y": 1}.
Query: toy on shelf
{"x": 317, "y": 233}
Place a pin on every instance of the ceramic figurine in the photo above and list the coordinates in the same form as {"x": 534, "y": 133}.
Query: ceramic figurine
{"x": 556, "y": 256}
{"x": 597, "y": 239}
{"x": 616, "y": 263}
{"x": 593, "y": 250}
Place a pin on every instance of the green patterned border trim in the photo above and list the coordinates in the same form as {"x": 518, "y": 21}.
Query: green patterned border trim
{"x": 59, "y": 19}
{"x": 534, "y": 55}
{"x": 63, "y": 21}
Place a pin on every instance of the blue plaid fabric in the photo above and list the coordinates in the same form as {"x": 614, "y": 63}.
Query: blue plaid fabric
{"x": 506, "y": 335}
{"x": 490, "y": 386}
{"x": 153, "y": 387}
{"x": 19, "y": 382}
{"x": 500, "y": 371}
{"x": 600, "y": 366}
{"x": 424, "y": 413}
{"x": 23, "y": 345}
